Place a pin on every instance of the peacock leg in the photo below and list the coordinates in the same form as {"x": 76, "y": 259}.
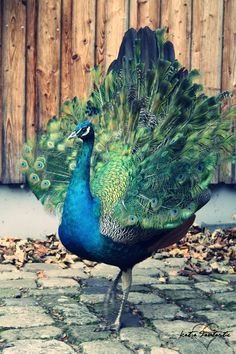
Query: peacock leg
{"x": 126, "y": 284}
{"x": 111, "y": 293}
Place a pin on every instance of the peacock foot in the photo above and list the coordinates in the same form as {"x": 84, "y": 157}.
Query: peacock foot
{"x": 115, "y": 327}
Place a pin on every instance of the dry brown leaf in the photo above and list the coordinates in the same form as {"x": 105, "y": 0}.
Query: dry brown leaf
{"x": 41, "y": 274}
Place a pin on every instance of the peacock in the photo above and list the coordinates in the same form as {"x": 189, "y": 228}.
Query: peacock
{"x": 129, "y": 167}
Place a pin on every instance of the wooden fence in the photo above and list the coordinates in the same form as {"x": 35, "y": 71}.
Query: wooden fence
{"x": 49, "y": 46}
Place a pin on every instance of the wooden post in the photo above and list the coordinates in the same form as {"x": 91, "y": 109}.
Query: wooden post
{"x": 176, "y": 16}
{"x": 144, "y": 13}
{"x": 117, "y": 24}
{"x": 206, "y": 53}
{"x": 66, "y": 50}
{"x": 31, "y": 57}
{"x": 13, "y": 80}
{"x": 83, "y": 38}
{"x": 48, "y": 60}
{"x": 101, "y": 34}
{"x": 1, "y": 85}
{"x": 227, "y": 171}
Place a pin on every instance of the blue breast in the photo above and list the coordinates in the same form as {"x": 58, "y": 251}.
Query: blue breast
{"x": 80, "y": 234}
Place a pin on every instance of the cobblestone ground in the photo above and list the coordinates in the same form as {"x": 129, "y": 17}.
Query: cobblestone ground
{"x": 46, "y": 309}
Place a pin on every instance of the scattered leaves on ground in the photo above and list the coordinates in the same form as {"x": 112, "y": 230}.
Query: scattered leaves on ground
{"x": 205, "y": 252}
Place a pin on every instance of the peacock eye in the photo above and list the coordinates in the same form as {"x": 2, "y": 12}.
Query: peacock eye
{"x": 45, "y": 184}
{"x": 132, "y": 219}
{"x": 27, "y": 150}
{"x": 174, "y": 212}
{"x": 72, "y": 166}
{"x": 34, "y": 179}
{"x": 24, "y": 165}
{"x": 200, "y": 167}
{"x": 38, "y": 165}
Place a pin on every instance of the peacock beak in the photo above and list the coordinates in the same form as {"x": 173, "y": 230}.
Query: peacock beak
{"x": 72, "y": 135}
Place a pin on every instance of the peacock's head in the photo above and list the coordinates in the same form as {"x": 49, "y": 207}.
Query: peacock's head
{"x": 84, "y": 130}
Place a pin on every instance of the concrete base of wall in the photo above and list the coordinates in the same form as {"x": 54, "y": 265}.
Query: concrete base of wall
{"x": 22, "y": 215}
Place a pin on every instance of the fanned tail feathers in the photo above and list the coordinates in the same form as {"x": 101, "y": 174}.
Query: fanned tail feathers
{"x": 154, "y": 123}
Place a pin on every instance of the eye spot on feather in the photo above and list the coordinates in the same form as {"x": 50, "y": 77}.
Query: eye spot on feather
{"x": 39, "y": 165}
{"x": 27, "y": 150}
{"x": 72, "y": 166}
{"x": 61, "y": 147}
{"x": 50, "y": 144}
{"x": 155, "y": 204}
{"x": 200, "y": 167}
{"x": 24, "y": 165}
{"x": 34, "y": 178}
{"x": 132, "y": 220}
{"x": 174, "y": 213}
{"x": 45, "y": 184}
{"x": 191, "y": 207}
{"x": 42, "y": 159}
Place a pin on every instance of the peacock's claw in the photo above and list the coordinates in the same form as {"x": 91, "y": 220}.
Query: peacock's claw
{"x": 115, "y": 327}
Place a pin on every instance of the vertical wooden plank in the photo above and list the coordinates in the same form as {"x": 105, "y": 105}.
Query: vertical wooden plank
{"x": 207, "y": 46}
{"x": 66, "y": 50}
{"x": 154, "y": 14}
{"x": 227, "y": 171}
{"x": 1, "y": 85}
{"x": 145, "y": 13}
{"x": 31, "y": 44}
{"x": 207, "y": 42}
{"x": 13, "y": 62}
{"x": 149, "y": 13}
{"x": 48, "y": 60}
{"x": 133, "y": 14}
{"x": 117, "y": 24}
{"x": 83, "y": 38}
{"x": 101, "y": 33}
{"x": 176, "y": 16}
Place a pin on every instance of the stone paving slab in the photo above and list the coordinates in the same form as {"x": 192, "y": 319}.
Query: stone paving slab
{"x": 161, "y": 311}
{"x": 139, "y": 337}
{"x": 60, "y": 310}
{"x": 104, "y": 347}
{"x": 59, "y": 282}
{"x": 43, "y": 332}
{"x": 15, "y": 274}
{"x": 18, "y": 284}
{"x": 65, "y": 273}
{"x": 23, "y": 317}
{"x": 214, "y": 287}
{"x": 39, "y": 346}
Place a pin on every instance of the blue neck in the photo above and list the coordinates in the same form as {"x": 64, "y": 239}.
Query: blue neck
{"x": 81, "y": 174}
{"x": 80, "y": 218}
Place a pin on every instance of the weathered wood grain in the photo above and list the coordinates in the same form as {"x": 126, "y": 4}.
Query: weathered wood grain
{"x": 66, "y": 50}
{"x": 101, "y": 34}
{"x": 13, "y": 66}
{"x": 50, "y": 47}
{"x": 83, "y": 38}
{"x": 207, "y": 42}
{"x": 1, "y": 85}
{"x": 207, "y": 46}
{"x": 117, "y": 24}
{"x": 48, "y": 60}
{"x": 31, "y": 57}
{"x": 227, "y": 171}
{"x": 144, "y": 13}
{"x": 176, "y": 16}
